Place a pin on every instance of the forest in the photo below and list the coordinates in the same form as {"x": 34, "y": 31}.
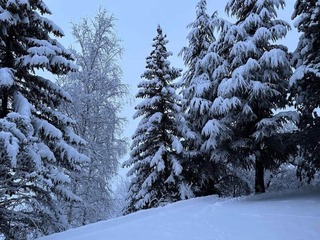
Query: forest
{"x": 241, "y": 117}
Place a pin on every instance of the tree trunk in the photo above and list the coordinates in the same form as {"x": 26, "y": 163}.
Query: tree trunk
{"x": 259, "y": 177}
{"x": 9, "y": 63}
{"x": 4, "y": 103}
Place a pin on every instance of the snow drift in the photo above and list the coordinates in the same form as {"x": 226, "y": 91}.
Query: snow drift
{"x": 286, "y": 215}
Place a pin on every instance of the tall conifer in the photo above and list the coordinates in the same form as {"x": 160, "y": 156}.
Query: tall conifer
{"x": 157, "y": 154}
{"x": 254, "y": 85}
{"x": 196, "y": 91}
{"x": 305, "y": 84}
{"x": 36, "y": 140}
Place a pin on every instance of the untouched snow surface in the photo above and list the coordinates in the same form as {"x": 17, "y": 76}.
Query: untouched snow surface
{"x": 272, "y": 216}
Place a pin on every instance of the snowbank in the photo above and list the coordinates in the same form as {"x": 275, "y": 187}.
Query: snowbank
{"x": 280, "y": 216}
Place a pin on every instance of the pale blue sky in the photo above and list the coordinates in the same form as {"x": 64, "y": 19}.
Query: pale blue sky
{"x": 136, "y": 26}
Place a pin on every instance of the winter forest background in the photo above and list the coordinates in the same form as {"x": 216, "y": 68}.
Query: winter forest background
{"x": 239, "y": 117}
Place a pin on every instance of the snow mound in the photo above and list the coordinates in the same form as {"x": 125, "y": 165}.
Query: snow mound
{"x": 276, "y": 216}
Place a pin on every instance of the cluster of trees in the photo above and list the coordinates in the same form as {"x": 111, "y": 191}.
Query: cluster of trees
{"x": 59, "y": 142}
{"x": 226, "y": 124}
{"x": 207, "y": 133}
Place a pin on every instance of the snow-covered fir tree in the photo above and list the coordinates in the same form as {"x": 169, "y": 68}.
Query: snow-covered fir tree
{"x": 97, "y": 93}
{"x": 200, "y": 37}
{"x": 305, "y": 84}
{"x": 196, "y": 92}
{"x": 157, "y": 154}
{"x": 37, "y": 142}
{"x": 253, "y": 79}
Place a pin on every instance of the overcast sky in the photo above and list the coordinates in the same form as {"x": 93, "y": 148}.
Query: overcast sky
{"x": 136, "y": 26}
{"x": 137, "y": 22}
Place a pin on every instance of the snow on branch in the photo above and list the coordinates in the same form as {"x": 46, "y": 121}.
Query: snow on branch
{"x": 6, "y": 78}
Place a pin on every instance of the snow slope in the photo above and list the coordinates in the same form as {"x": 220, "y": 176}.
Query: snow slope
{"x": 272, "y": 216}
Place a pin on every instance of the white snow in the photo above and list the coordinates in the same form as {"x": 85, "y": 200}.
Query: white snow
{"x": 274, "y": 58}
{"x": 11, "y": 147}
{"x": 176, "y": 144}
{"x": 275, "y": 216}
{"x": 6, "y": 77}
{"x": 48, "y": 129}
{"x": 176, "y": 166}
{"x": 5, "y": 16}
{"x": 22, "y": 105}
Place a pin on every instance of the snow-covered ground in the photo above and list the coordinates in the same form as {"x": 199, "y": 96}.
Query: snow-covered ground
{"x": 272, "y": 216}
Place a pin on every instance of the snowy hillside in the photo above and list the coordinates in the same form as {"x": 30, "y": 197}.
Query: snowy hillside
{"x": 269, "y": 216}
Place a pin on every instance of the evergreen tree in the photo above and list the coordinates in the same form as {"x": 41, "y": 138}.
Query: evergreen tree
{"x": 196, "y": 91}
{"x": 37, "y": 143}
{"x": 252, "y": 83}
{"x": 305, "y": 84}
{"x": 97, "y": 93}
{"x": 156, "y": 153}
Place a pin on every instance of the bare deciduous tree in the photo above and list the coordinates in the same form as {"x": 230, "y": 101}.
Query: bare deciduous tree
{"x": 98, "y": 94}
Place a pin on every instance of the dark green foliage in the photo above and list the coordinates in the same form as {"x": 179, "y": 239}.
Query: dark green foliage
{"x": 305, "y": 84}
{"x": 197, "y": 93}
{"x": 36, "y": 141}
{"x": 157, "y": 157}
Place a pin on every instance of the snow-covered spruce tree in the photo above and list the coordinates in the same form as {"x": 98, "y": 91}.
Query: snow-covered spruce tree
{"x": 305, "y": 84}
{"x": 97, "y": 93}
{"x": 195, "y": 83}
{"x": 156, "y": 152}
{"x": 211, "y": 152}
{"x": 255, "y": 84}
{"x": 37, "y": 143}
